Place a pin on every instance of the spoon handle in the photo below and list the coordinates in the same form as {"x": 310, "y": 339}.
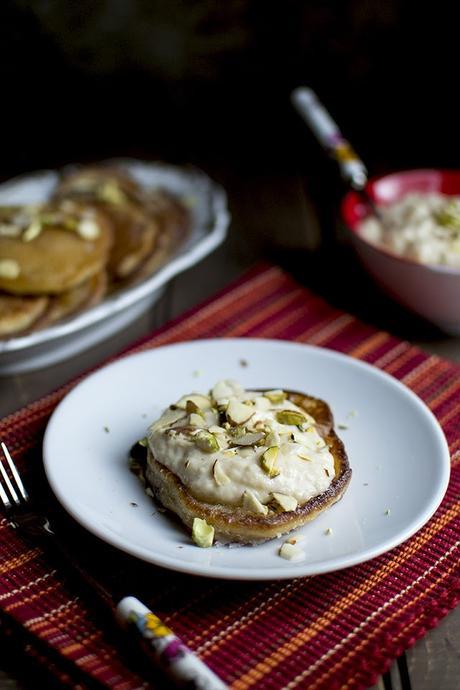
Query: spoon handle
{"x": 307, "y": 104}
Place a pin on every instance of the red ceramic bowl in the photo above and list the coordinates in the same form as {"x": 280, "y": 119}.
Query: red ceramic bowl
{"x": 430, "y": 291}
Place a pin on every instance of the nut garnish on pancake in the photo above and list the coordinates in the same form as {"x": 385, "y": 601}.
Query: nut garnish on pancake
{"x": 250, "y": 464}
{"x": 120, "y": 198}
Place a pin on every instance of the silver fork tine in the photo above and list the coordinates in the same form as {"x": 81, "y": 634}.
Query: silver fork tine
{"x": 6, "y": 478}
{"x": 3, "y": 495}
{"x": 15, "y": 473}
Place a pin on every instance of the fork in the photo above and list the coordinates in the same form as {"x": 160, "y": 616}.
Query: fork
{"x": 161, "y": 645}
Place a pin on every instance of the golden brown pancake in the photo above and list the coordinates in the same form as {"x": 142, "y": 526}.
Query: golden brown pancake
{"x": 173, "y": 220}
{"x": 18, "y": 314}
{"x": 86, "y": 295}
{"x": 58, "y": 248}
{"x": 119, "y": 197}
{"x": 235, "y": 524}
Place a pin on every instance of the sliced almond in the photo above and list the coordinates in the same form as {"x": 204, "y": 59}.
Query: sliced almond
{"x": 262, "y": 403}
{"x": 219, "y": 474}
{"x": 201, "y": 401}
{"x": 167, "y": 418}
{"x": 252, "y": 504}
{"x": 238, "y": 413}
{"x": 32, "y": 231}
{"x": 214, "y": 429}
{"x": 287, "y": 503}
{"x": 248, "y": 439}
{"x": 88, "y": 229}
{"x": 291, "y": 552}
{"x": 226, "y": 389}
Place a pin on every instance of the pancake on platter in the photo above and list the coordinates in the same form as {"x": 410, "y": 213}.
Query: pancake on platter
{"x": 173, "y": 220}
{"x": 49, "y": 249}
{"x": 19, "y": 314}
{"x": 243, "y": 466}
{"x": 120, "y": 198}
{"x": 86, "y": 295}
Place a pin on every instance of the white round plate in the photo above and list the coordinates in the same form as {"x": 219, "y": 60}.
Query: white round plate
{"x": 396, "y": 448}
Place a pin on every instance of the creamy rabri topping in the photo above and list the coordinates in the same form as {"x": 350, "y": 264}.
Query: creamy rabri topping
{"x": 421, "y": 227}
{"x": 243, "y": 448}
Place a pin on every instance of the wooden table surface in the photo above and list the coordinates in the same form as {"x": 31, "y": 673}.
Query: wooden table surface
{"x": 273, "y": 217}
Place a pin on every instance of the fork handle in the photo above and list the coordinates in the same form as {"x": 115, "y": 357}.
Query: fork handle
{"x": 167, "y": 650}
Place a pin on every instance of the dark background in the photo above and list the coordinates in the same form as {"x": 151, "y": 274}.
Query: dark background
{"x": 207, "y": 82}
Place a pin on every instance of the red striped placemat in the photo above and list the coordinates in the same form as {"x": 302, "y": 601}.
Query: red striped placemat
{"x": 339, "y": 630}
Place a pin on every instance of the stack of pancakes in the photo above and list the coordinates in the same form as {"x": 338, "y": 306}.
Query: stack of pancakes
{"x": 99, "y": 232}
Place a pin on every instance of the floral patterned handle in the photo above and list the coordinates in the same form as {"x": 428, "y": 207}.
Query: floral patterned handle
{"x": 167, "y": 650}
{"x": 329, "y": 136}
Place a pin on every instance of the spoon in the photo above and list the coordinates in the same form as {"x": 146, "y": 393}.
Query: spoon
{"x": 327, "y": 132}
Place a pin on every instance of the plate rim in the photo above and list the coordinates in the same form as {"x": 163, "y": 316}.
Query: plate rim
{"x": 274, "y": 573}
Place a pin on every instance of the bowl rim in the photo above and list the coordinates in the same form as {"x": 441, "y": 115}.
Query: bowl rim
{"x": 351, "y": 197}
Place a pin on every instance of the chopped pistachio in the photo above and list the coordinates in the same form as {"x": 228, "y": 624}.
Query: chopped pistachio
{"x": 328, "y": 531}
{"x": 268, "y": 461}
{"x": 287, "y": 503}
{"x": 9, "y": 268}
{"x": 219, "y": 475}
{"x": 449, "y": 216}
{"x": 238, "y": 413}
{"x": 206, "y": 441}
{"x": 388, "y": 511}
{"x": 291, "y": 552}
{"x": 290, "y": 417}
{"x": 252, "y": 503}
{"x": 342, "y": 426}
{"x": 142, "y": 441}
{"x": 276, "y": 397}
{"x": 202, "y": 533}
